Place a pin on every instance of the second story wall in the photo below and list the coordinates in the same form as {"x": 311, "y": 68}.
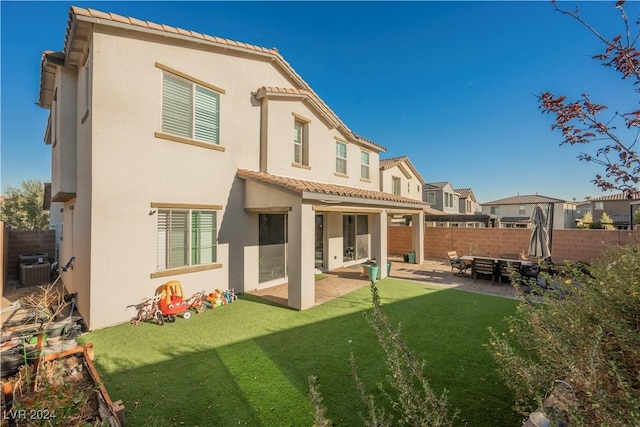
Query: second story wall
{"x": 401, "y": 181}
{"x": 304, "y": 144}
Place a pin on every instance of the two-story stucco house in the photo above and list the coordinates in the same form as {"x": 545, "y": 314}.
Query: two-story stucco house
{"x": 398, "y": 176}
{"x": 182, "y": 156}
{"x": 516, "y": 211}
{"x": 441, "y": 196}
{"x": 617, "y": 206}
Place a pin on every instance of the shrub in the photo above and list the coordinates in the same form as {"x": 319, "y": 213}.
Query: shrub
{"x": 584, "y": 334}
{"x": 412, "y": 401}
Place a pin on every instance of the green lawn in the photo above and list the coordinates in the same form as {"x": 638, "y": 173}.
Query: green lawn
{"x": 247, "y": 363}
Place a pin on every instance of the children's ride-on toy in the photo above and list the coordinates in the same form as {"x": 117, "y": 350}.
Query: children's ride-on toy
{"x": 148, "y": 310}
{"x": 172, "y": 301}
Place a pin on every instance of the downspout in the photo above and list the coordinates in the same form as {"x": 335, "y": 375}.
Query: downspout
{"x": 264, "y": 128}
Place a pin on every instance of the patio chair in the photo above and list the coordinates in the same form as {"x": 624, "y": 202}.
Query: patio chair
{"x": 484, "y": 266}
{"x": 458, "y": 263}
{"x": 505, "y": 267}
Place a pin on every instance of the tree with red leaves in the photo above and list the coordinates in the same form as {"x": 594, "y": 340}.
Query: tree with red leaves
{"x": 582, "y": 121}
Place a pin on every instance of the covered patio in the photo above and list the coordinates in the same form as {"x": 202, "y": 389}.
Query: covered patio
{"x": 348, "y": 279}
{"x": 303, "y": 227}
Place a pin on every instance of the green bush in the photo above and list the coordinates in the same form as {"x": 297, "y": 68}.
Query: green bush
{"x": 411, "y": 399}
{"x": 584, "y": 334}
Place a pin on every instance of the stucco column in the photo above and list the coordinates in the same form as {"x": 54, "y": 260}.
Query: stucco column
{"x": 379, "y": 242}
{"x": 417, "y": 221}
{"x": 300, "y": 257}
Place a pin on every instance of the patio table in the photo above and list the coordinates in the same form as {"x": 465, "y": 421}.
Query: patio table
{"x": 469, "y": 259}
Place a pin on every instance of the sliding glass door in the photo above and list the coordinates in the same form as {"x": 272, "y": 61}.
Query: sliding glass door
{"x": 272, "y": 247}
{"x": 355, "y": 237}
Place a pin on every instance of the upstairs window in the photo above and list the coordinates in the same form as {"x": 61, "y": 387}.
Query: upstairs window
{"x": 297, "y": 142}
{"x": 395, "y": 185}
{"x": 364, "y": 165}
{"x": 190, "y": 110}
{"x": 448, "y": 200}
{"x": 341, "y": 158}
{"x": 300, "y": 140}
{"x": 431, "y": 197}
{"x": 522, "y": 210}
{"x": 495, "y": 210}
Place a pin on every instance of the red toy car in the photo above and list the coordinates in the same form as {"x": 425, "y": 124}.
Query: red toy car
{"x": 172, "y": 301}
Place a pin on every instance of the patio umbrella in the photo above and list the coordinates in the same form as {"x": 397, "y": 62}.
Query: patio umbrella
{"x": 539, "y": 242}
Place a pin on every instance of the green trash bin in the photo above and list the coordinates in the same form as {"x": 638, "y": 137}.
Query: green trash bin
{"x": 373, "y": 272}
{"x": 388, "y": 268}
{"x": 412, "y": 257}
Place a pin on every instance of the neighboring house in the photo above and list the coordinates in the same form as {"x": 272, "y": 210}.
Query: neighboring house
{"x": 453, "y": 208}
{"x": 398, "y": 176}
{"x": 441, "y": 196}
{"x": 181, "y": 156}
{"x": 515, "y": 211}
{"x": 582, "y": 209}
{"x": 617, "y": 206}
{"x": 468, "y": 204}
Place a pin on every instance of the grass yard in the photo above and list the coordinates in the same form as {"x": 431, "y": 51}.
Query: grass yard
{"x": 248, "y": 363}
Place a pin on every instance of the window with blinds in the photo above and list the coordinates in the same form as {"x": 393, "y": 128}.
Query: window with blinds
{"x": 297, "y": 142}
{"x": 190, "y": 110}
{"x": 364, "y": 165}
{"x": 186, "y": 237}
{"x": 395, "y": 185}
{"x": 341, "y": 157}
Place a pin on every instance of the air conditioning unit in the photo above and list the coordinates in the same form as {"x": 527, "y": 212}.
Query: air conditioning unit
{"x": 33, "y": 258}
{"x": 35, "y": 274}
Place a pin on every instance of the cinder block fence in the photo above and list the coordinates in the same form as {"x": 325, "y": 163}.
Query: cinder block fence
{"x": 580, "y": 245}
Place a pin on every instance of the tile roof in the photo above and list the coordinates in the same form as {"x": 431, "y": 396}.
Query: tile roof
{"x": 616, "y": 197}
{"x": 524, "y": 200}
{"x": 464, "y": 193}
{"x": 300, "y": 186}
{"x": 434, "y": 185}
{"x": 93, "y": 15}
{"x": 389, "y": 163}
{"x": 398, "y": 161}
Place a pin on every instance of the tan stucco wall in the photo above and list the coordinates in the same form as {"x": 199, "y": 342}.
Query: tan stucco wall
{"x": 415, "y": 187}
{"x": 124, "y": 168}
{"x": 121, "y": 168}
{"x": 321, "y": 147}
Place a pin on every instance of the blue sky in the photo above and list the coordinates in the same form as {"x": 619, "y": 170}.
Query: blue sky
{"x": 450, "y": 84}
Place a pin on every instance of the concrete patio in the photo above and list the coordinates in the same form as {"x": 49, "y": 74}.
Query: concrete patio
{"x": 430, "y": 272}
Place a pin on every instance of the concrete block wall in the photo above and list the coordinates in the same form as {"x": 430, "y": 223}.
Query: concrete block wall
{"x": 398, "y": 240}
{"x": 28, "y": 242}
{"x": 583, "y": 245}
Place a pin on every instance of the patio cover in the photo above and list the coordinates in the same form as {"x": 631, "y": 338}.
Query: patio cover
{"x": 330, "y": 194}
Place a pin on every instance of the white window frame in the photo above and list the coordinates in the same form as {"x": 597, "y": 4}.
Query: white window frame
{"x": 298, "y": 142}
{"x": 341, "y": 161}
{"x": 396, "y": 183}
{"x": 365, "y": 161}
{"x": 203, "y": 121}
{"x": 431, "y": 197}
{"x": 164, "y": 238}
